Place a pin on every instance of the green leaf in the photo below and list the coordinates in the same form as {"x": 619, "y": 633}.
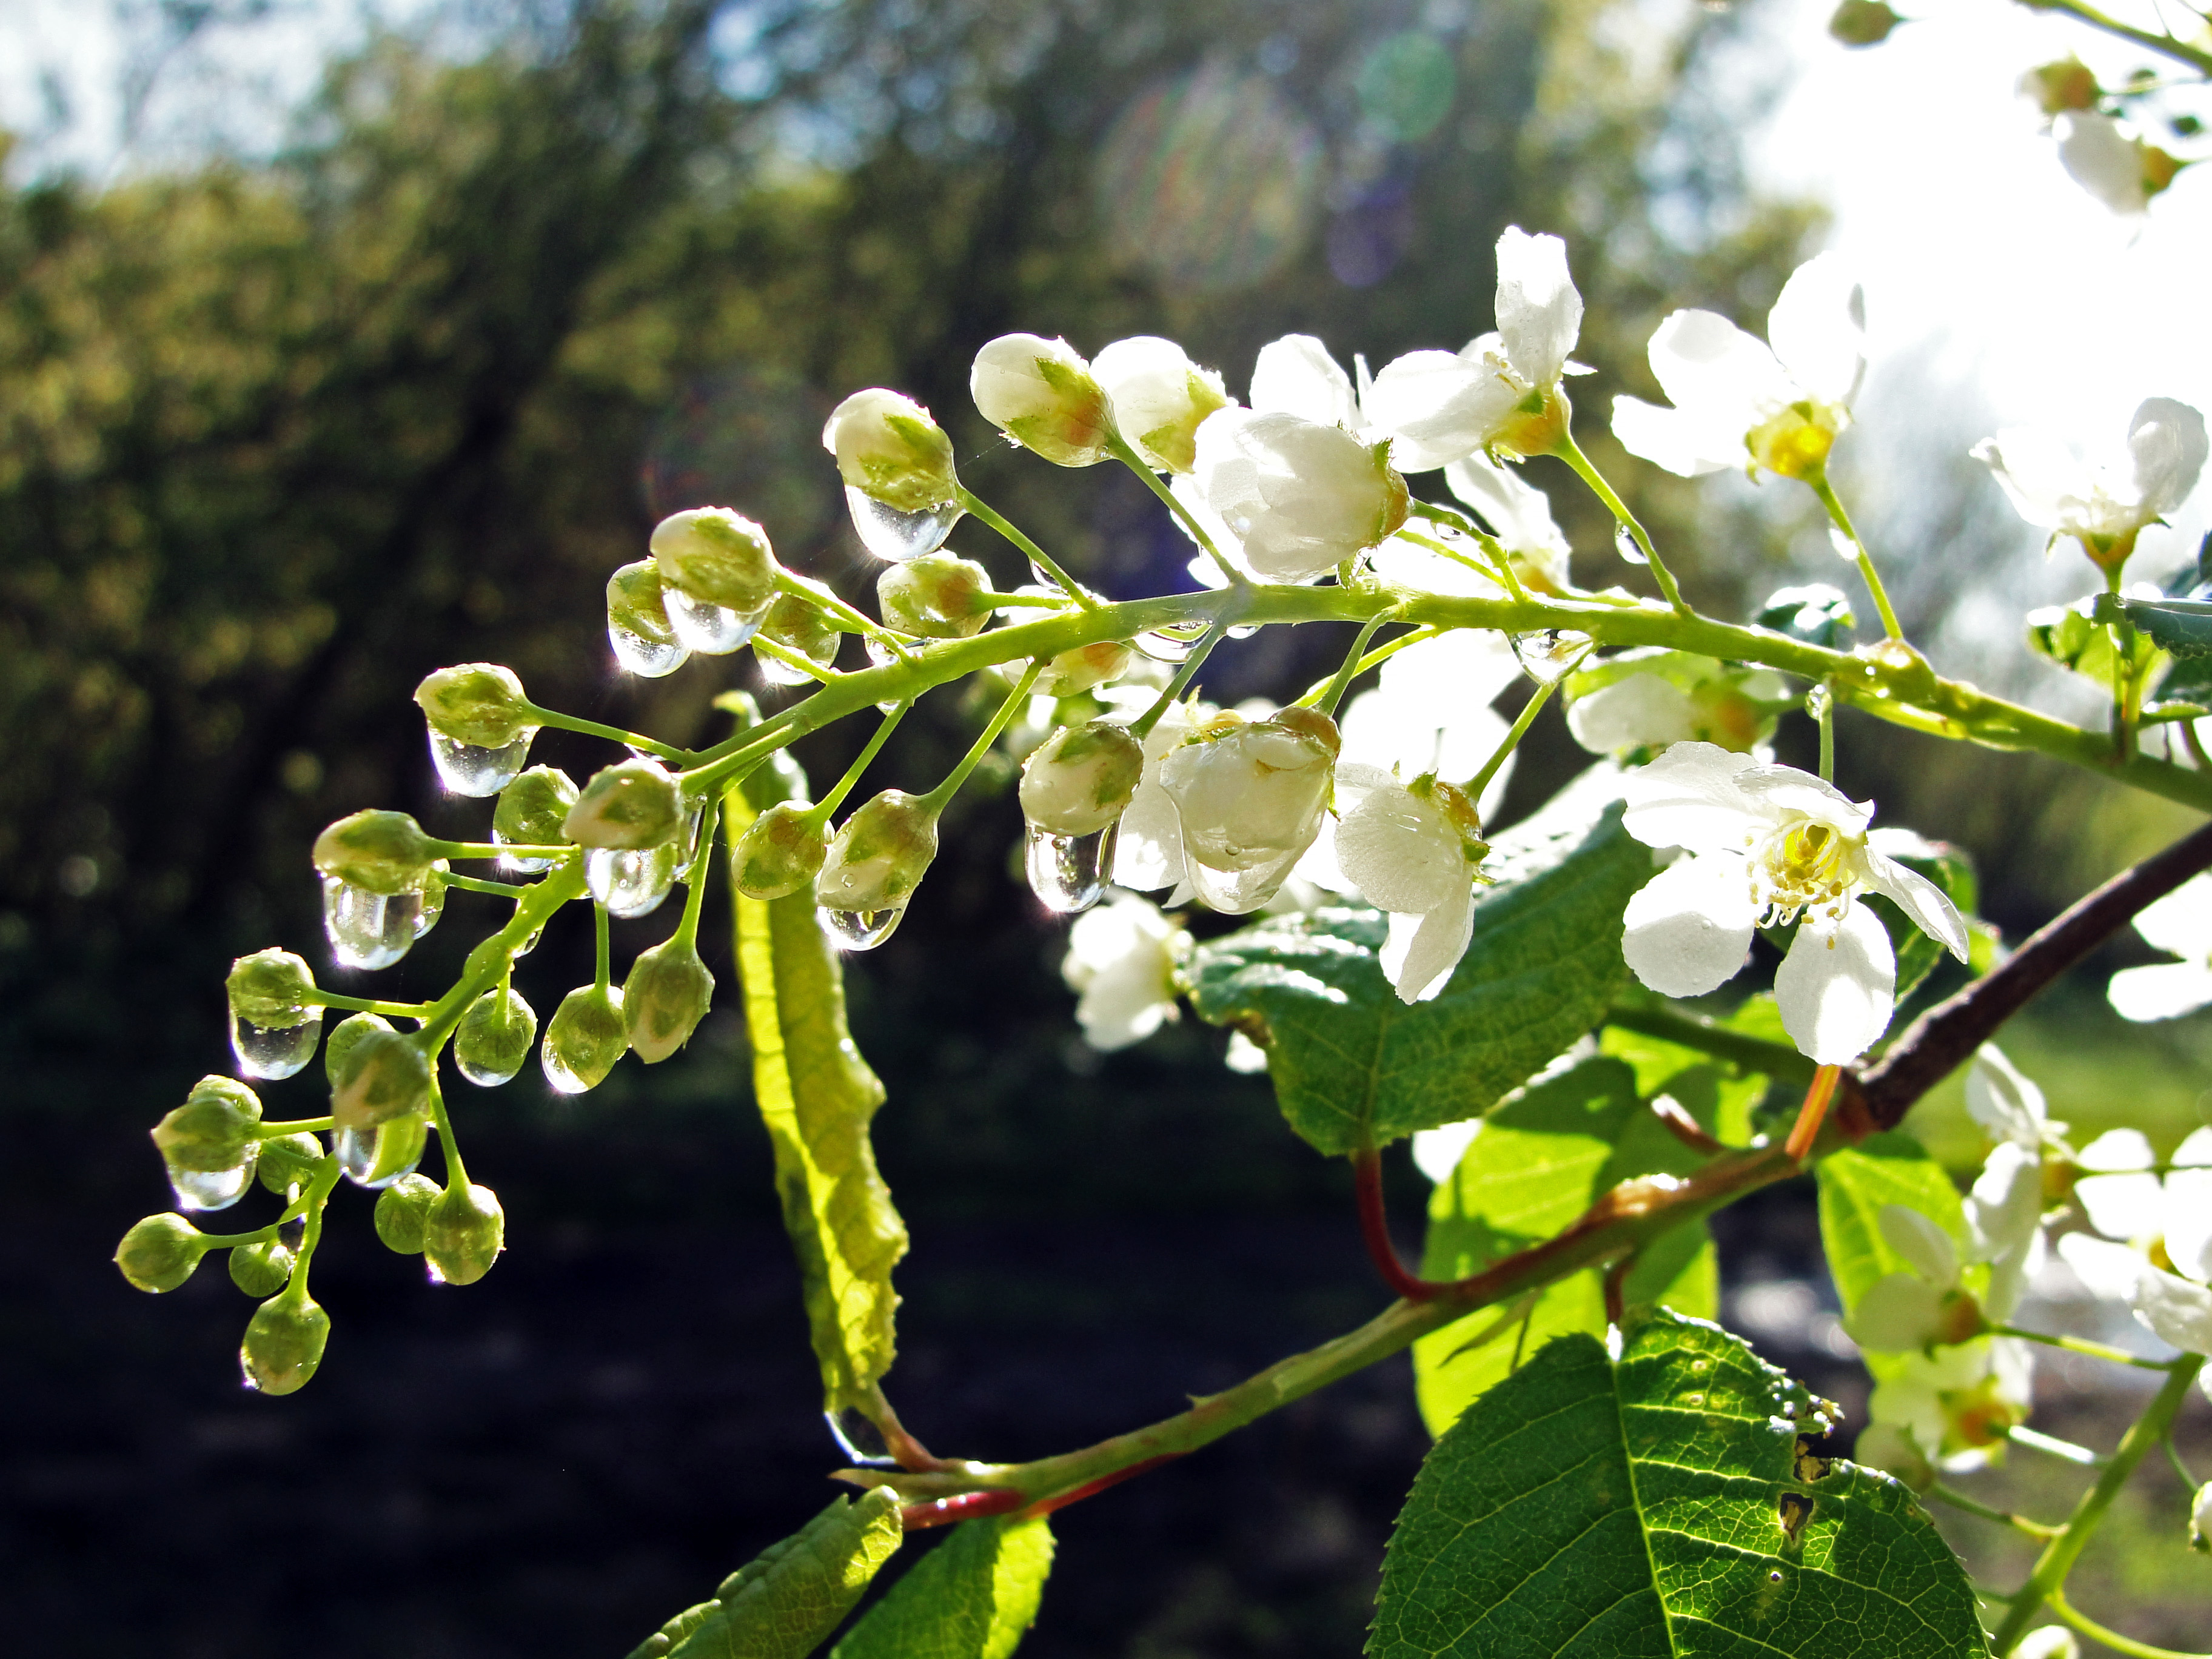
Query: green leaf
{"x": 1352, "y": 1065}
{"x": 974, "y": 1596}
{"x": 780, "y": 1604}
{"x": 815, "y": 1095}
{"x": 1589, "y": 1509}
{"x": 2183, "y": 627}
{"x": 1856, "y": 1183}
{"x": 1537, "y": 1162}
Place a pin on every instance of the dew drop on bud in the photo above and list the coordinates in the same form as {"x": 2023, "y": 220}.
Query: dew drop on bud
{"x": 647, "y": 659}
{"x": 861, "y": 1440}
{"x": 1068, "y": 873}
{"x": 710, "y": 630}
{"x": 278, "y": 1051}
{"x": 375, "y": 1158}
{"x": 366, "y": 929}
{"x": 1162, "y": 646}
{"x": 1546, "y": 655}
{"x": 433, "y": 898}
{"x": 1624, "y": 542}
{"x": 211, "y": 1189}
{"x": 895, "y": 536}
{"x": 630, "y": 881}
{"x": 493, "y": 1040}
{"x": 861, "y": 930}
{"x": 1242, "y": 631}
{"x": 467, "y": 769}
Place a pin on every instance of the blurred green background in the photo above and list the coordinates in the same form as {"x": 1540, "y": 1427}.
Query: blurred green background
{"x": 282, "y": 430}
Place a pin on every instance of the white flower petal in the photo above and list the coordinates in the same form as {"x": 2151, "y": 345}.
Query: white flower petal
{"x": 1121, "y": 959}
{"x": 2118, "y": 1149}
{"x": 1516, "y": 510}
{"x": 2102, "y": 159}
{"x": 1818, "y": 329}
{"x": 2176, "y": 1310}
{"x": 1435, "y": 407}
{"x": 1898, "y": 1313}
{"x": 1401, "y": 851}
{"x": 2005, "y": 1212}
{"x": 1926, "y": 1247}
{"x": 2195, "y": 1152}
{"x": 1686, "y": 929}
{"x": 1925, "y": 904}
{"x": 2051, "y": 1642}
{"x": 2181, "y": 922}
{"x": 2188, "y": 1216}
{"x": 2167, "y": 444}
{"x": 1689, "y": 796}
{"x": 2110, "y": 1271}
{"x": 1295, "y": 375}
{"x": 1421, "y": 952}
{"x": 2037, "y": 472}
{"x": 1539, "y": 311}
{"x": 1669, "y": 438}
{"x": 1642, "y": 711}
{"x": 2005, "y": 1100}
{"x": 2123, "y": 1205}
{"x": 2165, "y": 990}
{"x": 1837, "y": 988}
{"x": 1465, "y": 668}
{"x": 1785, "y": 789}
{"x": 1716, "y": 372}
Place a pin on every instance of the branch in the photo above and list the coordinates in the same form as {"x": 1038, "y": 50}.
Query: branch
{"x": 2164, "y": 45}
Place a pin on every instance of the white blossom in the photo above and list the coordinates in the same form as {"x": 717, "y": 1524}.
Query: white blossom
{"x": 1519, "y": 514}
{"x": 1148, "y": 849}
{"x": 1249, "y": 798}
{"x": 890, "y": 447}
{"x": 1295, "y": 375}
{"x": 1121, "y": 962}
{"x": 2181, "y": 924}
{"x": 1648, "y": 700}
{"x": 1501, "y": 391}
{"x": 2051, "y": 1642}
{"x": 2111, "y": 163}
{"x": 1772, "y": 844}
{"x": 1296, "y": 498}
{"x": 2104, "y": 506}
{"x": 1158, "y": 398}
{"x": 2200, "y": 1518}
{"x": 2125, "y": 1198}
{"x": 1041, "y": 393}
{"x": 1741, "y": 402}
{"x": 1953, "y": 1404}
{"x": 2177, "y": 1310}
{"x": 1413, "y": 851}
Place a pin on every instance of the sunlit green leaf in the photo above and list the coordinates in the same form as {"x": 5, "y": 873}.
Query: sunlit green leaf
{"x": 2183, "y": 627}
{"x": 974, "y": 1596}
{"x": 1856, "y": 1183}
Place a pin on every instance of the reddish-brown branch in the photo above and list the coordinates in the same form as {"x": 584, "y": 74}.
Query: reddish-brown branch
{"x": 1375, "y": 1230}
{"x": 1616, "y": 1290}
{"x": 963, "y": 1506}
{"x": 1684, "y": 1127}
{"x": 1812, "y": 1114}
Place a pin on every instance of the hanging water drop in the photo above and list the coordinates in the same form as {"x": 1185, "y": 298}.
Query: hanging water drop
{"x": 375, "y": 1158}
{"x": 1546, "y": 655}
{"x": 861, "y": 930}
{"x": 366, "y": 929}
{"x": 861, "y": 1441}
{"x": 1624, "y": 542}
{"x": 521, "y": 866}
{"x": 1068, "y": 873}
{"x": 710, "y": 630}
{"x": 215, "y": 1189}
{"x": 1162, "y": 646}
{"x": 432, "y": 898}
{"x": 466, "y": 769}
{"x": 1242, "y": 631}
{"x": 275, "y": 1051}
{"x": 895, "y": 536}
{"x": 648, "y": 659}
{"x": 630, "y": 881}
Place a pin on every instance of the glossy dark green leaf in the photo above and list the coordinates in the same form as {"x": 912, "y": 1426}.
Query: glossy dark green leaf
{"x": 1352, "y": 1063}
{"x": 974, "y": 1596}
{"x": 1856, "y": 1183}
{"x": 2183, "y": 627}
{"x": 1661, "y": 1506}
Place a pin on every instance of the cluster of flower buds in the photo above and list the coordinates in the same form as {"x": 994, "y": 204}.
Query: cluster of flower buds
{"x": 706, "y": 586}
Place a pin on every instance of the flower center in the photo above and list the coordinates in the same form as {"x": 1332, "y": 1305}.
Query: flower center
{"x": 1805, "y": 866}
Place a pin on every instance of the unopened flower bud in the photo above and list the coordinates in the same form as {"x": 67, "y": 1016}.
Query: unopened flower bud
{"x": 2056, "y": 88}
{"x": 667, "y": 993}
{"x": 210, "y": 1144}
{"x": 638, "y": 629}
{"x": 633, "y": 804}
{"x": 2200, "y": 1520}
{"x": 272, "y": 988}
{"x": 493, "y": 1039}
{"x": 888, "y": 448}
{"x": 289, "y": 1160}
{"x": 1080, "y": 669}
{"x": 780, "y": 852}
{"x": 938, "y": 597}
{"x": 161, "y": 1253}
{"x": 401, "y": 1210}
{"x": 344, "y": 1036}
{"x": 799, "y": 625}
{"x": 1863, "y": 22}
{"x": 384, "y": 1075}
{"x": 1078, "y": 780}
{"x": 716, "y": 555}
{"x": 1158, "y": 397}
{"x": 284, "y": 1343}
{"x": 377, "y": 851}
{"x": 879, "y": 856}
{"x": 462, "y": 1232}
{"x": 1040, "y": 394}
{"x": 1249, "y": 798}
{"x": 584, "y": 1039}
{"x": 260, "y": 1269}
{"x": 477, "y": 703}
{"x": 531, "y": 812}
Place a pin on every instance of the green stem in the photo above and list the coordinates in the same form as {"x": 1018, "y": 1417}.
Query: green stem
{"x": 687, "y": 931}
{"x": 1141, "y": 727}
{"x": 595, "y": 729}
{"x": 1570, "y": 452}
{"x": 1029, "y": 601}
{"x": 492, "y": 849}
{"x": 1474, "y": 785}
{"x": 456, "y": 1173}
{"x": 599, "y": 974}
{"x": 2083, "y": 1345}
{"x": 493, "y": 956}
{"x": 2052, "y": 1446}
{"x": 2164, "y": 45}
{"x": 1747, "y": 1053}
{"x": 478, "y": 884}
{"x": 937, "y": 799}
{"x": 231, "y": 1240}
{"x": 1043, "y": 561}
{"x": 311, "y": 1204}
{"x": 1958, "y": 1500}
{"x": 1500, "y": 570}
{"x": 1380, "y": 655}
{"x": 2052, "y": 1565}
{"x": 795, "y": 659}
{"x": 1842, "y": 519}
{"x": 2111, "y": 1638}
{"x": 323, "y": 999}
{"x": 1135, "y": 463}
{"x": 1826, "y": 717}
{"x": 830, "y": 803}
{"x": 2174, "y": 1457}
{"x": 1354, "y": 661}
{"x": 856, "y": 621}
{"x": 297, "y": 1126}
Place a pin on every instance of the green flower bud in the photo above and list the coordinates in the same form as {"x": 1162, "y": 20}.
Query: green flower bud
{"x": 493, "y": 1037}
{"x": 715, "y": 555}
{"x": 878, "y": 858}
{"x": 530, "y": 813}
{"x": 284, "y": 1343}
{"x": 382, "y": 853}
{"x": 2057, "y": 87}
{"x": 463, "y": 1230}
{"x": 1863, "y": 22}
{"x": 584, "y": 1039}
{"x": 401, "y": 1210}
{"x": 1041, "y": 394}
{"x": 260, "y": 1269}
{"x": 1079, "y": 780}
{"x": 385, "y": 1075}
{"x": 780, "y": 852}
{"x": 888, "y": 446}
{"x": 638, "y": 628}
{"x": 161, "y": 1253}
{"x": 208, "y": 1143}
{"x": 798, "y": 624}
{"x": 479, "y": 704}
{"x": 632, "y": 804}
{"x": 289, "y": 1160}
{"x": 272, "y": 988}
{"x": 668, "y": 992}
{"x": 938, "y": 595}
{"x": 1084, "y": 667}
{"x": 343, "y": 1036}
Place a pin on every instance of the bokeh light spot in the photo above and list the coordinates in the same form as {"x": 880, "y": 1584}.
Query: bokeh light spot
{"x": 1405, "y": 84}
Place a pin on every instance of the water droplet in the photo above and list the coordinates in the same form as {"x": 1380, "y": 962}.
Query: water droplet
{"x": 1163, "y": 646}
{"x": 1624, "y": 542}
{"x": 375, "y": 1158}
{"x": 528, "y": 944}
{"x": 1546, "y": 655}
{"x": 781, "y": 674}
{"x": 366, "y": 929}
{"x": 648, "y": 659}
{"x": 861, "y": 930}
{"x": 711, "y": 630}
{"x": 895, "y": 536}
{"x": 1242, "y": 631}
{"x": 1234, "y": 892}
{"x": 521, "y": 867}
{"x": 858, "y": 1438}
{"x": 275, "y": 1051}
{"x": 433, "y": 897}
{"x": 215, "y": 1189}
{"x": 630, "y": 881}
{"x": 1068, "y": 873}
{"x": 465, "y": 769}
